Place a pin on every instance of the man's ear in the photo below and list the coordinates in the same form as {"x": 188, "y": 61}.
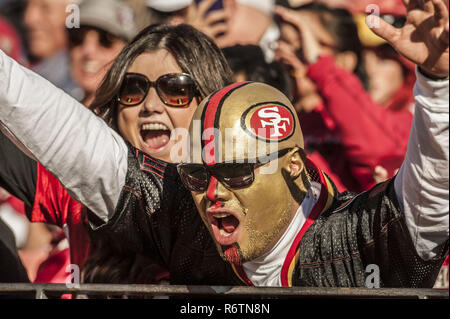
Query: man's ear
{"x": 295, "y": 164}
{"x": 347, "y": 60}
{"x": 295, "y": 174}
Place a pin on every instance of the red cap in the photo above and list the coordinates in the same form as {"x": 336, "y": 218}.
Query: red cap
{"x": 392, "y": 7}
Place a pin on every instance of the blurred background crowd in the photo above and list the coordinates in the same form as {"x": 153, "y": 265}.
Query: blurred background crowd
{"x": 352, "y": 91}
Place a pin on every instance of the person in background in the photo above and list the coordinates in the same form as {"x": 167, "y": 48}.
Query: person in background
{"x": 141, "y": 13}
{"x": 10, "y": 41}
{"x": 251, "y": 22}
{"x": 248, "y": 64}
{"x": 106, "y": 26}
{"x": 390, "y": 76}
{"x": 198, "y": 14}
{"x": 239, "y": 22}
{"x": 15, "y": 230}
{"x": 391, "y": 79}
{"x": 10, "y": 44}
{"x": 46, "y": 34}
{"x": 321, "y": 47}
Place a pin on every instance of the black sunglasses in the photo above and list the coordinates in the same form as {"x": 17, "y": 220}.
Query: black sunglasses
{"x": 174, "y": 89}
{"x": 77, "y": 35}
{"x": 196, "y": 177}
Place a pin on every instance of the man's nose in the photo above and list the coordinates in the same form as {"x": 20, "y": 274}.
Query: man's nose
{"x": 217, "y": 191}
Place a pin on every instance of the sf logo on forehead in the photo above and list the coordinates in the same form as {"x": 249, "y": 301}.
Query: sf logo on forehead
{"x": 271, "y": 121}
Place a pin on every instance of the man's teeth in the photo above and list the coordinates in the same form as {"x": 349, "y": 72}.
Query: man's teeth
{"x": 154, "y": 127}
{"x": 222, "y": 215}
{"x": 224, "y": 233}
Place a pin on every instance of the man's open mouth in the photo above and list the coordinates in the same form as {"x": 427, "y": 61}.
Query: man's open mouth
{"x": 225, "y": 225}
{"x": 155, "y": 136}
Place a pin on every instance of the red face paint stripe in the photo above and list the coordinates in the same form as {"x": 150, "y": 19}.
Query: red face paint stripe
{"x": 210, "y": 113}
{"x": 211, "y": 192}
{"x": 217, "y": 205}
{"x": 315, "y": 213}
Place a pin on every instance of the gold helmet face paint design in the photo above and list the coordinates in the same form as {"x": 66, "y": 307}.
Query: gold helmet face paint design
{"x": 271, "y": 122}
{"x": 243, "y": 123}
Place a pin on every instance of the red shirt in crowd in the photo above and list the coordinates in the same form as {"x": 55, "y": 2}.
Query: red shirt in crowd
{"x": 351, "y": 132}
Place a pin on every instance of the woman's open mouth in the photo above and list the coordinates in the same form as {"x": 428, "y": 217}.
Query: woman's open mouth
{"x": 156, "y": 136}
{"x": 225, "y": 226}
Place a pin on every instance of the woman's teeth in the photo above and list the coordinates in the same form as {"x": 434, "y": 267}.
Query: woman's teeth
{"x": 91, "y": 67}
{"x": 154, "y": 127}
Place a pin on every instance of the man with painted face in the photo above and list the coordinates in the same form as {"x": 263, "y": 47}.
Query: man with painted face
{"x": 288, "y": 225}
{"x": 279, "y": 221}
{"x": 251, "y": 181}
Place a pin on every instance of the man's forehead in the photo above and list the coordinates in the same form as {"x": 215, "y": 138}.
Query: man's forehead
{"x": 229, "y": 145}
{"x": 243, "y": 121}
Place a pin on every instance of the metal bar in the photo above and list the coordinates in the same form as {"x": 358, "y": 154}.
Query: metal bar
{"x": 44, "y": 290}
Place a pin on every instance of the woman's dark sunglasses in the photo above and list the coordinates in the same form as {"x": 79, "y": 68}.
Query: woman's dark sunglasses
{"x": 175, "y": 89}
{"x": 196, "y": 177}
{"x": 77, "y": 36}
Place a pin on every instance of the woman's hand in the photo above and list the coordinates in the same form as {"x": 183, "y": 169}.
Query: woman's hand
{"x": 424, "y": 37}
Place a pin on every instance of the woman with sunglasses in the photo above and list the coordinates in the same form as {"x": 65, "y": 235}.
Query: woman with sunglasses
{"x": 153, "y": 88}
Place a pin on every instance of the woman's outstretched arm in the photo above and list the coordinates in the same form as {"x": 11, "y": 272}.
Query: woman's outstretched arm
{"x": 88, "y": 157}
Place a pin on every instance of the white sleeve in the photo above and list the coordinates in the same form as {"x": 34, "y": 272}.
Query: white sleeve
{"x": 423, "y": 180}
{"x": 88, "y": 157}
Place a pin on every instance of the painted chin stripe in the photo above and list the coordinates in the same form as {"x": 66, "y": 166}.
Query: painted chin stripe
{"x": 210, "y": 118}
{"x": 233, "y": 255}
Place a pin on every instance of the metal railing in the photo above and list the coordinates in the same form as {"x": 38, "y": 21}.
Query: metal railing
{"x": 44, "y": 291}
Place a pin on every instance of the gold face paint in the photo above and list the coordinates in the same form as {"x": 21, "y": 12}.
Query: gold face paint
{"x": 261, "y": 213}
{"x": 244, "y": 123}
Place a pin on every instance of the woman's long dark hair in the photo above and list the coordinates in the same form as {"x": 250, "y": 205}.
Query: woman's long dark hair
{"x": 195, "y": 53}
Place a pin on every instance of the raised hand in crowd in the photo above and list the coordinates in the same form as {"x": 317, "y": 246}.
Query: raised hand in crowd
{"x": 212, "y": 23}
{"x": 297, "y": 54}
{"x": 309, "y": 45}
{"x": 424, "y": 39}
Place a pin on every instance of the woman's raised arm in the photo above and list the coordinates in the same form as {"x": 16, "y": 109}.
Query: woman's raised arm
{"x": 88, "y": 157}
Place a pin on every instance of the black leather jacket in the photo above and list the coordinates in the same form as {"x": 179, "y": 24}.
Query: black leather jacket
{"x": 157, "y": 217}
